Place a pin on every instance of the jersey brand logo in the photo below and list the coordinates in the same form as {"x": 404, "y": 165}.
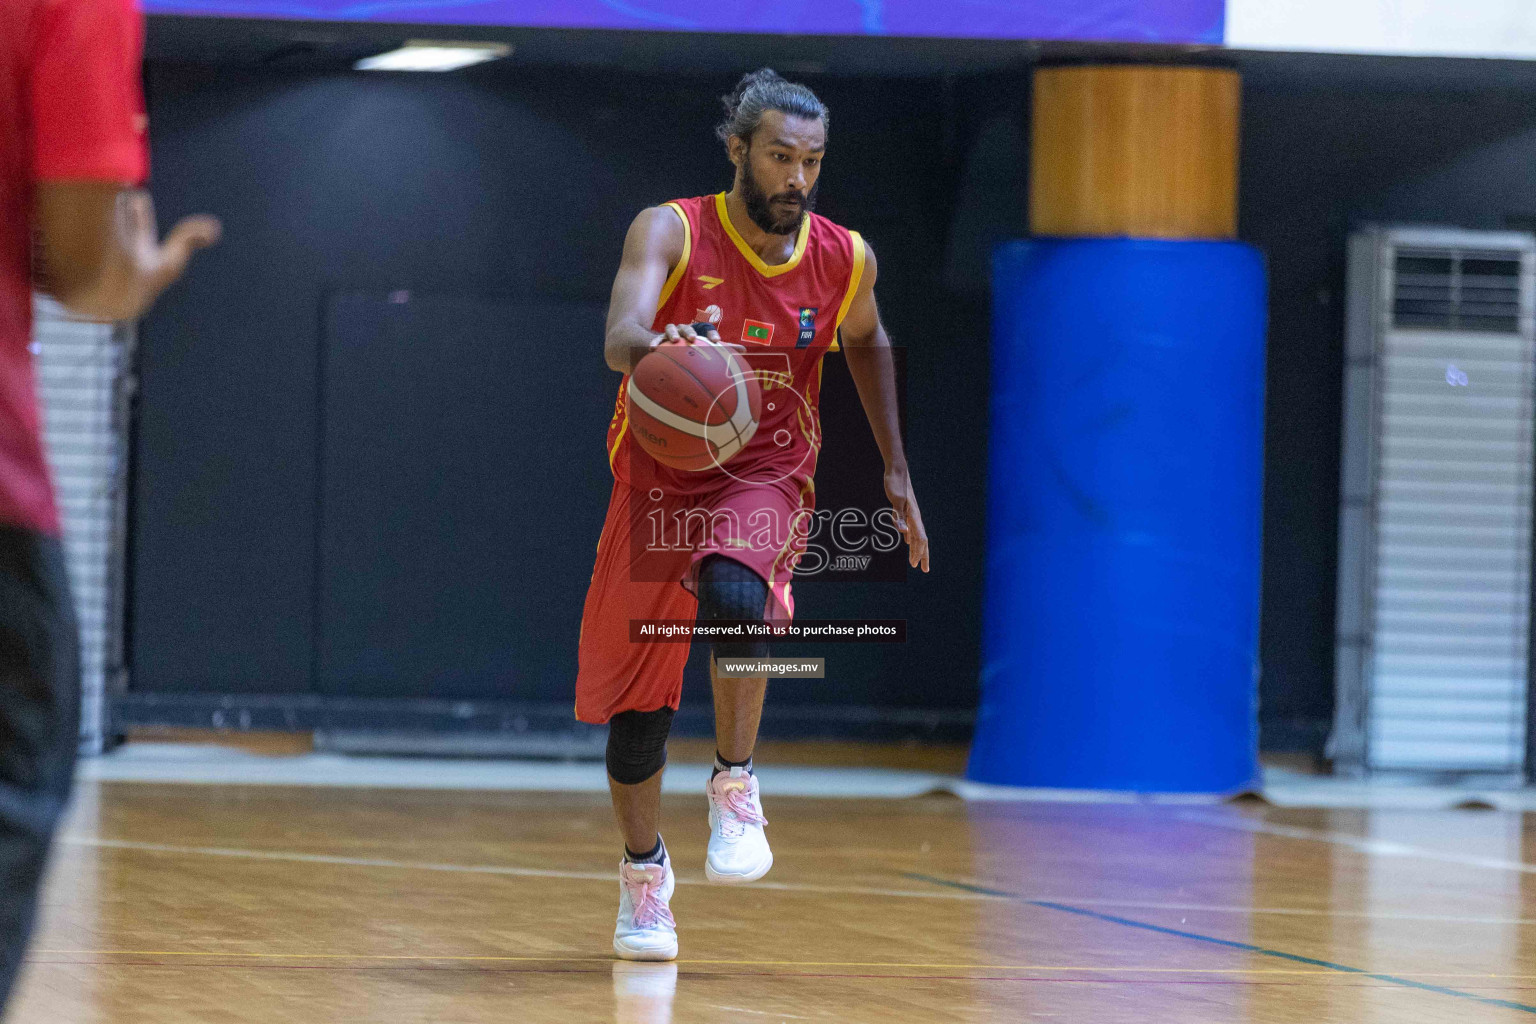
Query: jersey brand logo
{"x": 757, "y": 332}
{"x": 710, "y": 282}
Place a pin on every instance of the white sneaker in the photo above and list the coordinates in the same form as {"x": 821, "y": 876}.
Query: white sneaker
{"x": 645, "y": 929}
{"x": 738, "y": 849}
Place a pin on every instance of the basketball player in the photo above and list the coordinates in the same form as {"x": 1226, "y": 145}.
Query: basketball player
{"x": 71, "y": 155}
{"x": 779, "y": 283}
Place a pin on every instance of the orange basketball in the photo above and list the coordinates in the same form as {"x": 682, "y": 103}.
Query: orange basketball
{"x": 694, "y": 406}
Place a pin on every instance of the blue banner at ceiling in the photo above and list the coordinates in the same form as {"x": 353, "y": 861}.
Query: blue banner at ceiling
{"x": 1130, "y": 21}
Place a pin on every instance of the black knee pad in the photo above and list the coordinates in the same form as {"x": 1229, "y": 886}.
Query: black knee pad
{"x": 729, "y": 590}
{"x": 637, "y": 744}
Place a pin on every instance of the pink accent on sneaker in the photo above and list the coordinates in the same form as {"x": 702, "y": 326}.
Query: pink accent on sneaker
{"x": 644, "y": 882}
{"x": 736, "y": 796}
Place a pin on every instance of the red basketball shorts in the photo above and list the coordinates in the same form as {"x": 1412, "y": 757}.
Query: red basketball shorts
{"x": 647, "y": 560}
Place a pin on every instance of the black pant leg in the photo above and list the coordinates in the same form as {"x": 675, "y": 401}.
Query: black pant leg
{"x": 39, "y": 726}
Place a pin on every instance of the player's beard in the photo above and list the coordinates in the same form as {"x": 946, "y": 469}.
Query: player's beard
{"x": 761, "y": 209}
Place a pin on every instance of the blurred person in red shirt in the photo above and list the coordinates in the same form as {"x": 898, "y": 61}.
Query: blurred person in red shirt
{"x": 75, "y": 223}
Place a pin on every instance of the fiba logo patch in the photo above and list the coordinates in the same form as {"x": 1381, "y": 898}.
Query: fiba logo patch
{"x": 807, "y": 326}
{"x": 708, "y": 315}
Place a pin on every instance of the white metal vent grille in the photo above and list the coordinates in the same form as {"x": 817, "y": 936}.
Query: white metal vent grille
{"x": 1435, "y": 521}
{"x": 79, "y": 366}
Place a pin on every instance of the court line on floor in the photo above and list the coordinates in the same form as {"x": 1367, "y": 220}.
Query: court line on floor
{"x": 1375, "y": 847}
{"x": 887, "y": 964}
{"x": 763, "y": 1013}
{"x": 1246, "y": 947}
{"x": 392, "y": 963}
{"x": 778, "y": 975}
{"x": 392, "y": 958}
{"x": 1367, "y": 915}
{"x": 290, "y": 856}
{"x": 807, "y": 887}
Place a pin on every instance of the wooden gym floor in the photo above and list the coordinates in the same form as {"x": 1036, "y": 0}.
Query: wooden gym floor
{"x": 183, "y": 904}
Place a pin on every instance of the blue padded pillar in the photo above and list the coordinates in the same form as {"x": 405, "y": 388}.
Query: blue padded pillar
{"x": 1122, "y": 591}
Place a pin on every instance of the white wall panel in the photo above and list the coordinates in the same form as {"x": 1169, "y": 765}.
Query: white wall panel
{"x": 79, "y": 365}
{"x": 1468, "y": 28}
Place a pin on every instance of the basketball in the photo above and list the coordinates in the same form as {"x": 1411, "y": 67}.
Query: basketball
{"x": 692, "y": 407}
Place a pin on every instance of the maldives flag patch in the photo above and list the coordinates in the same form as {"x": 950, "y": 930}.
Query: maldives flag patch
{"x": 757, "y": 332}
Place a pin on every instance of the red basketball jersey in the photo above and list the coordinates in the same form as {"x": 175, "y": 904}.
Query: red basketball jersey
{"x": 786, "y": 316}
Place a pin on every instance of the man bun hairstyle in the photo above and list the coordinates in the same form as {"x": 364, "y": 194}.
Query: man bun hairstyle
{"x": 759, "y": 92}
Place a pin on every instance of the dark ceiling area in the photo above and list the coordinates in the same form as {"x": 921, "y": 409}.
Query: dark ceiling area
{"x": 319, "y": 45}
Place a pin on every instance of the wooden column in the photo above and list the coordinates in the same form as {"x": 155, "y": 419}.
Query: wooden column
{"x": 1134, "y": 151}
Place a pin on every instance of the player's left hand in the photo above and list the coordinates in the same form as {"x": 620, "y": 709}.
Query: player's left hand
{"x": 909, "y": 519}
